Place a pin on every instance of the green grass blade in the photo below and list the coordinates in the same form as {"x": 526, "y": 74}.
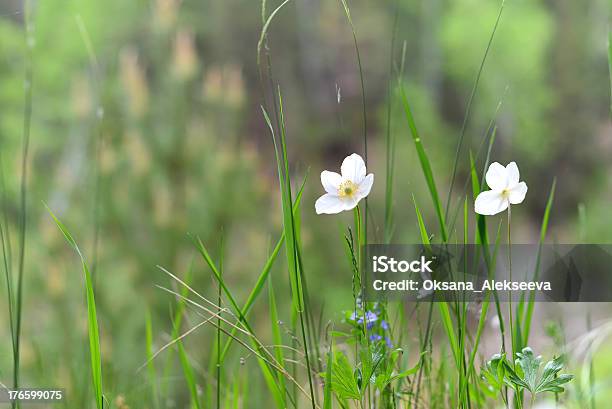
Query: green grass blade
{"x": 288, "y": 220}
{"x": 327, "y": 388}
{"x": 265, "y": 368}
{"x": 273, "y": 386}
{"x": 151, "y": 369}
{"x": 5, "y": 241}
{"x": 27, "y": 127}
{"x": 421, "y": 223}
{"x": 276, "y": 339}
{"x": 292, "y": 244}
{"x": 92, "y": 318}
{"x": 217, "y": 274}
{"x": 445, "y": 315}
{"x": 425, "y": 164}
{"x": 390, "y": 137}
{"x": 485, "y": 305}
{"x": 543, "y": 231}
{"x": 184, "y": 359}
{"x": 265, "y": 27}
{"x": 177, "y": 319}
{"x": 189, "y": 375}
{"x": 264, "y": 273}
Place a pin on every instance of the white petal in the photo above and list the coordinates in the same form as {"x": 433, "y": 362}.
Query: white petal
{"x": 331, "y": 181}
{"x": 329, "y": 204}
{"x": 489, "y": 203}
{"x": 353, "y": 168}
{"x": 365, "y": 186}
{"x": 517, "y": 193}
{"x": 351, "y": 202}
{"x": 497, "y": 177}
{"x": 512, "y": 173}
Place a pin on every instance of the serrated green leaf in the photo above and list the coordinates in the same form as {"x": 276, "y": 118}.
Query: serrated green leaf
{"x": 529, "y": 364}
{"x": 344, "y": 382}
{"x": 551, "y": 381}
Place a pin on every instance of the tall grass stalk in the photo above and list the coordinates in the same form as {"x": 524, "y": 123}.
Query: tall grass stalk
{"x": 265, "y": 365}
{"x": 347, "y": 12}
{"x": 292, "y": 244}
{"x": 296, "y": 277}
{"x": 389, "y": 136}
{"x": 7, "y": 264}
{"x": 92, "y": 317}
{"x": 265, "y": 273}
{"x": 98, "y": 142}
{"x": 526, "y": 320}
{"x": 276, "y": 338}
{"x": 27, "y": 122}
{"x": 582, "y": 234}
{"x": 254, "y": 345}
{"x": 469, "y": 107}
{"x": 151, "y": 369}
{"x": 219, "y": 380}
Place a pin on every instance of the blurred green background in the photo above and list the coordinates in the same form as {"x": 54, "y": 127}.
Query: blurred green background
{"x": 159, "y": 134}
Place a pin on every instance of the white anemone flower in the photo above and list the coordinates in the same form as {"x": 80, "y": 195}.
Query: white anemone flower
{"x": 344, "y": 191}
{"x": 505, "y": 190}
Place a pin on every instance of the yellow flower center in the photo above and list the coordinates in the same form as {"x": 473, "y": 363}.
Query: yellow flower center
{"x": 505, "y": 193}
{"x": 347, "y": 189}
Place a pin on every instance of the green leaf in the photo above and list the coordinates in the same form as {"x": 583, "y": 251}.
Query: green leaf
{"x": 554, "y": 385}
{"x": 327, "y": 389}
{"x": 494, "y": 372}
{"x": 529, "y": 364}
{"x": 551, "y": 381}
{"x": 344, "y": 382}
{"x": 525, "y": 374}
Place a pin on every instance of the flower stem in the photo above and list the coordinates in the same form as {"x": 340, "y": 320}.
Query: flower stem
{"x": 518, "y": 397}
{"x": 364, "y": 306}
{"x": 360, "y": 268}
{"x": 510, "y": 278}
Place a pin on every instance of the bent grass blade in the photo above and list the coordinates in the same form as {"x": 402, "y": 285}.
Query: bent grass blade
{"x": 92, "y": 317}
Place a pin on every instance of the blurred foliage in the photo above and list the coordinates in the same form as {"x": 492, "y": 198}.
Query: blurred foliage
{"x": 160, "y": 134}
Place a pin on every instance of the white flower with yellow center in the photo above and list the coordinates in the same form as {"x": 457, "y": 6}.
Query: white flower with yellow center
{"x": 346, "y": 190}
{"x": 505, "y": 190}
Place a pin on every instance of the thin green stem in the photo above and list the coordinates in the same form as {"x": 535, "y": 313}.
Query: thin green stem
{"x": 364, "y": 307}
{"x": 469, "y": 108}
{"x": 27, "y": 121}
{"x": 510, "y": 278}
{"x": 218, "y": 401}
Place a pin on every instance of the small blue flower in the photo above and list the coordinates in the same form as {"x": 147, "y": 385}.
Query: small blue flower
{"x": 375, "y": 337}
{"x": 384, "y": 325}
{"x": 388, "y": 342}
{"x": 370, "y": 319}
